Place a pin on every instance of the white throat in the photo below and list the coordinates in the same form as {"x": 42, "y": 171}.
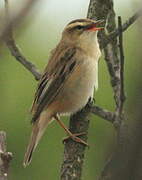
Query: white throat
{"x": 91, "y": 47}
{"x": 89, "y": 43}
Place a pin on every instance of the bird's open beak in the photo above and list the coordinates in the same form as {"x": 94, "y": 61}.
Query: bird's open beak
{"x": 95, "y": 26}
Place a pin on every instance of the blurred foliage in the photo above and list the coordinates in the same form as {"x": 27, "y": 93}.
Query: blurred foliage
{"x": 36, "y": 38}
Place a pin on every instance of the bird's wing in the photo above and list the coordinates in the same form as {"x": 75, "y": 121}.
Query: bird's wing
{"x": 53, "y": 81}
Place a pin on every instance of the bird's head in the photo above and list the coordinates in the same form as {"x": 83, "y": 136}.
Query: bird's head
{"x": 82, "y": 30}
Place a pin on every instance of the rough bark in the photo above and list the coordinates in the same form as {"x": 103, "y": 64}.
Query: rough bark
{"x": 74, "y": 152}
{"x": 126, "y": 161}
{"x": 5, "y": 157}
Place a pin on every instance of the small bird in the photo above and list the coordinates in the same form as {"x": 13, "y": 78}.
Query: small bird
{"x": 68, "y": 80}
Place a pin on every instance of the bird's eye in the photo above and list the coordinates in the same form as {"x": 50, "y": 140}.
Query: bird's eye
{"x": 79, "y": 27}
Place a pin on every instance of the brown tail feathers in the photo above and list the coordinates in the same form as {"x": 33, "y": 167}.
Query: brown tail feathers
{"x": 37, "y": 132}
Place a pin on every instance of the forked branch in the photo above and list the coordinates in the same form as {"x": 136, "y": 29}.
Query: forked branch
{"x": 124, "y": 27}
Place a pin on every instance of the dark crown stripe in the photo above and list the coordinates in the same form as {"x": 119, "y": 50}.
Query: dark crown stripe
{"x": 77, "y": 20}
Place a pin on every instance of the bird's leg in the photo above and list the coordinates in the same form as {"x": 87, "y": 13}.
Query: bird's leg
{"x": 72, "y": 136}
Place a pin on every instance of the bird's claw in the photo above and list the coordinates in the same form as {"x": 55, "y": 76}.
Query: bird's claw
{"x": 76, "y": 139}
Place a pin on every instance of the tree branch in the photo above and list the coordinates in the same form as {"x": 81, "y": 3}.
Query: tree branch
{"x": 15, "y": 51}
{"x": 74, "y": 152}
{"x": 5, "y": 157}
{"x": 103, "y": 113}
{"x": 126, "y": 161}
{"x": 16, "y": 18}
{"x": 122, "y": 92}
{"x": 125, "y": 26}
{"x": 109, "y": 172}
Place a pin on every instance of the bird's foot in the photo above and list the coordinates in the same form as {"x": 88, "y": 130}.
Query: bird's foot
{"x": 76, "y": 138}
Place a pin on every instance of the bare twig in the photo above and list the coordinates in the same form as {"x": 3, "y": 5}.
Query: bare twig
{"x": 21, "y": 58}
{"x": 122, "y": 92}
{"x": 15, "y": 51}
{"x": 15, "y": 19}
{"x": 103, "y": 113}
{"x": 5, "y": 157}
{"x": 125, "y": 26}
{"x": 126, "y": 161}
{"x": 109, "y": 172}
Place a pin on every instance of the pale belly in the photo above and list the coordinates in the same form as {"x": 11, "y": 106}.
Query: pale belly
{"x": 78, "y": 88}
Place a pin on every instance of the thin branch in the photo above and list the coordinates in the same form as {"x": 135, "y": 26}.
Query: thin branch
{"x": 15, "y": 51}
{"x": 21, "y": 58}
{"x": 122, "y": 92}
{"x": 103, "y": 113}
{"x": 125, "y": 26}
{"x": 5, "y": 157}
{"x": 109, "y": 172}
{"x": 111, "y": 55}
{"x": 15, "y": 19}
